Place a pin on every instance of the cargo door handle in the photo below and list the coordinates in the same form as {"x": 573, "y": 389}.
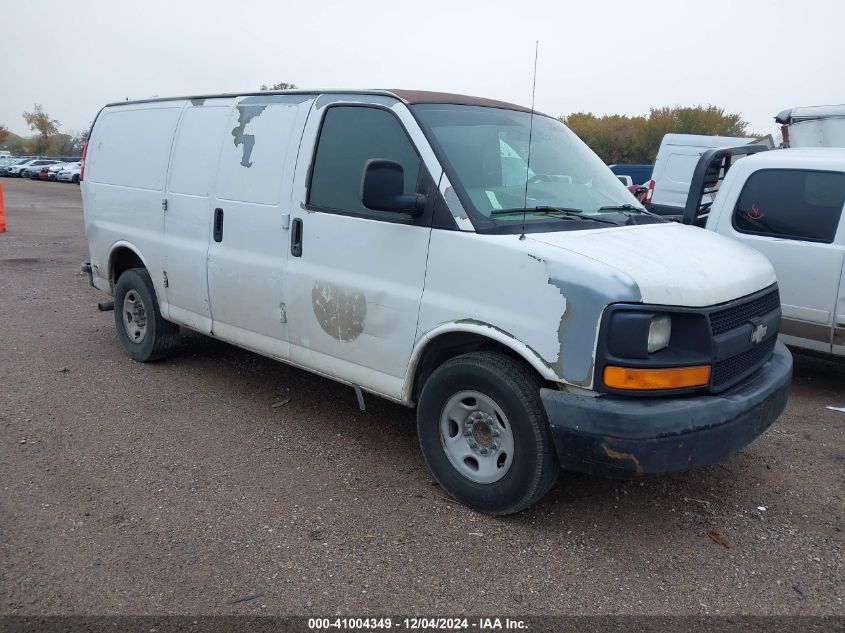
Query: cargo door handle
{"x": 296, "y": 238}
{"x": 218, "y": 225}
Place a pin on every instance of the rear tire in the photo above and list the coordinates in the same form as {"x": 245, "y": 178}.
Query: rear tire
{"x": 484, "y": 433}
{"x": 142, "y": 331}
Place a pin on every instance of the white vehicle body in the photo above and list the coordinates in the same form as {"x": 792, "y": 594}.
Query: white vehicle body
{"x": 676, "y": 159}
{"x": 69, "y": 172}
{"x": 15, "y": 170}
{"x": 802, "y": 190}
{"x": 813, "y": 126}
{"x": 227, "y": 203}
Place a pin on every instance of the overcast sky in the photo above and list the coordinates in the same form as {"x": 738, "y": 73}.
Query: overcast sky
{"x": 747, "y": 56}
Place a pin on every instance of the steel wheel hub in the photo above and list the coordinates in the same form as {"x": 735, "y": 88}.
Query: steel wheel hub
{"x": 476, "y": 437}
{"x": 134, "y": 317}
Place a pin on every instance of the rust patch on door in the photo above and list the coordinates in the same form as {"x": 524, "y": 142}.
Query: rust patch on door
{"x": 341, "y": 312}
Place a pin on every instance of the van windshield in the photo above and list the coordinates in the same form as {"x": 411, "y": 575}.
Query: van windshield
{"x": 486, "y": 150}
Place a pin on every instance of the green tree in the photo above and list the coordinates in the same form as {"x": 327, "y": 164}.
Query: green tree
{"x": 616, "y": 138}
{"x": 45, "y": 129}
{"x": 622, "y": 139}
{"x": 4, "y": 134}
{"x": 282, "y": 85}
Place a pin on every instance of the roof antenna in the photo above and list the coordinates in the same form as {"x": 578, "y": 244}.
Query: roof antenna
{"x": 530, "y": 133}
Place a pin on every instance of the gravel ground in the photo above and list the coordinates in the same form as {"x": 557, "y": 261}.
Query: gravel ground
{"x": 176, "y": 487}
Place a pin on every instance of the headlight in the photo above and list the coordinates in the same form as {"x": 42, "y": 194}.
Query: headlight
{"x": 659, "y": 331}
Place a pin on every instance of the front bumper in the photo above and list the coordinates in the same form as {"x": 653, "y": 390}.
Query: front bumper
{"x": 621, "y": 437}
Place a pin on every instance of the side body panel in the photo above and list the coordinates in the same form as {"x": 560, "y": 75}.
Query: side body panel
{"x": 187, "y": 220}
{"x": 822, "y": 132}
{"x": 246, "y": 267}
{"x": 124, "y": 184}
{"x": 353, "y": 295}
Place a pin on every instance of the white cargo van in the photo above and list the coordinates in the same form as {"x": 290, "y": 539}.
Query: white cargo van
{"x": 676, "y": 159}
{"x": 398, "y": 242}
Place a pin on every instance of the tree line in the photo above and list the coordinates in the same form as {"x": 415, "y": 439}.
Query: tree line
{"x": 47, "y": 139}
{"x": 618, "y": 138}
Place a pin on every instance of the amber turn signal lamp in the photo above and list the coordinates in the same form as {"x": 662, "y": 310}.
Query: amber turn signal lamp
{"x": 656, "y": 379}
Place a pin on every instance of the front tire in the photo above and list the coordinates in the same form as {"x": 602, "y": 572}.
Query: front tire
{"x": 484, "y": 433}
{"x": 142, "y": 331}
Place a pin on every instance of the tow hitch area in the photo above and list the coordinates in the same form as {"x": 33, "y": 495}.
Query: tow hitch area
{"x": 85, "y": 269}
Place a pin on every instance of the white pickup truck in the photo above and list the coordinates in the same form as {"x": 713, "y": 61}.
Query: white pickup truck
{"x": 788, "y": 205}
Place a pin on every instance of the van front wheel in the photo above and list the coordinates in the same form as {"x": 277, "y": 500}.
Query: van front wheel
{"x": 484, "y": 433}
{"x": 142, "y": 331}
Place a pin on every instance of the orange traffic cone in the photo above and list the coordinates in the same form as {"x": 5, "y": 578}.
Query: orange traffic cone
{"x": 2, "y": 212}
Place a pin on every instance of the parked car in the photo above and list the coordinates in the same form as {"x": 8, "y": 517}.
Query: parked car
{"x": 14, "y": 169}
{"x": 788, "y": 205}
{"x": 53, "y": 170}
{"x": 639, "y": 174}
{"x": 26, "y": 170}
{"x": 69, "y": 173}
{"x": 41, "y": 173}
{"x": 676, "y": 160}
{"x": 813, "y": 126}
{"x": 370, "y": 237}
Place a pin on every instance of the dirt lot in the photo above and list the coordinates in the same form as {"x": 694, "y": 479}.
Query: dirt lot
{"x": 176, "y": 487}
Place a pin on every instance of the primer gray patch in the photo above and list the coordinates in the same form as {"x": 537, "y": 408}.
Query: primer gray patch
{"x": 246, "y": 113}
{"x": 197, "y": 102}
{"x": 341, "y": 312}
{"x": 454, "y": 203}
{"x": 586, "y": 297}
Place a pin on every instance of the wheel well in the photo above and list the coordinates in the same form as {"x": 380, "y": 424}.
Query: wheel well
{"x": 450, "y": 345}
{"x": 122, "y": 259}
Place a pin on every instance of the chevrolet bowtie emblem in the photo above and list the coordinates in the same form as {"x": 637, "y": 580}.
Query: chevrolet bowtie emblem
{"x": 758, "y": 334}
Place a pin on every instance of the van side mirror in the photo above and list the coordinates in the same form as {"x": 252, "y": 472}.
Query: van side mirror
{"x": 383, "y": 188}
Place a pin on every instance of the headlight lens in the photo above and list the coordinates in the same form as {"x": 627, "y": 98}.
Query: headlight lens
{"x": 659, "y": 331}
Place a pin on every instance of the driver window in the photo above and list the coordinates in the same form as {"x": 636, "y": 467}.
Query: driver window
{"x": 349, "y": 137}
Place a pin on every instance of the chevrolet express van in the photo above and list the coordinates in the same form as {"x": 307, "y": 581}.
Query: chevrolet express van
{"x": 458, "y": 255}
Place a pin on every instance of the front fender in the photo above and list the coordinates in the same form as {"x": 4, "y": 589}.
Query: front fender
{"x": 481, "y": 329}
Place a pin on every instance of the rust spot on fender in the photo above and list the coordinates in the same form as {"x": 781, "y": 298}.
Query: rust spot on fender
{"x": 341, "y": 312}
{"x": 612, "y": 454}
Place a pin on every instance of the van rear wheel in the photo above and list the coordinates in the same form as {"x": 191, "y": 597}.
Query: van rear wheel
{"x": 142, "y": 331}
{"x": 484, "y": 433}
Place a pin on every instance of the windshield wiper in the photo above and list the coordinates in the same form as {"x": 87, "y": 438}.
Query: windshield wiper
{"x": 627, "y": 207}
{"x": 555, "y": 212}
{"x": 540, "y": 209}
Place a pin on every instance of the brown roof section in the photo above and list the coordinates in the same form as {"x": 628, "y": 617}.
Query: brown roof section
{"x": 424, "y": 96}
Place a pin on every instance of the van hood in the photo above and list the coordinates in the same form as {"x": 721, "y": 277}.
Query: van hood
{"x": 671, "y": 264}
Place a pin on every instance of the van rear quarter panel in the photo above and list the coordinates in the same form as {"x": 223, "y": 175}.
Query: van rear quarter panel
{"x": 125, "y": 173}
